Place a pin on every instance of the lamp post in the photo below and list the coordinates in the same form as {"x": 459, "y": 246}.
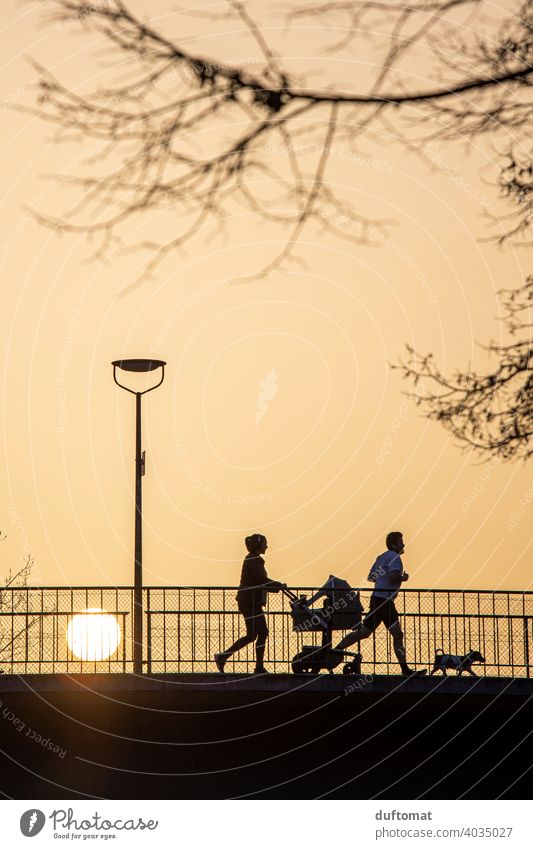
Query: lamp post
{"x": 138, "y": 366}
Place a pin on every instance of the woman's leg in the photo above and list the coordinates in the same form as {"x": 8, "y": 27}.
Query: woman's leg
{"x": 261, "y": 631}
{"x": 249, "y": 636}
{"x": 256, "y": 629}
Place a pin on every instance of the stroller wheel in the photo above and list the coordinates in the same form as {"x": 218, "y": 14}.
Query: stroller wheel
{"x": 354, "y": 666}
{"x": 310, "y": 668}
{"x": 299, "y": 663}
{"x": 306, "y": 661}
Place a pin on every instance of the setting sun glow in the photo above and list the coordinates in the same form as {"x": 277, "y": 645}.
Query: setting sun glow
{"x": 93, "y": 634}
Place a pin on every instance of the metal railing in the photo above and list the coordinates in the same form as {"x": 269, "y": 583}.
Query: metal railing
{"x": 41, "y": 630}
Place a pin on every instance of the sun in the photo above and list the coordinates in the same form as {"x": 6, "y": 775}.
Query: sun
{"x": 93, "y": 634}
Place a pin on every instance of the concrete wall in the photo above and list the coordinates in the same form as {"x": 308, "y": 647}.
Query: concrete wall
{"x": 276, "y": 736}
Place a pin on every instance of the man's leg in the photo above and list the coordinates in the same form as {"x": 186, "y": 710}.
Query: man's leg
{"x": 360, "y": 632}
{"x": 396, "y": 633}
{"x": 364, "y": 629}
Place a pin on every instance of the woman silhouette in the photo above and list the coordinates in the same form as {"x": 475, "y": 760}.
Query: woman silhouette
{"x": 251, "y": 597}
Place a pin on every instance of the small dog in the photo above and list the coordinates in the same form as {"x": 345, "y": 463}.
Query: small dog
{"x": 460, "y": 662}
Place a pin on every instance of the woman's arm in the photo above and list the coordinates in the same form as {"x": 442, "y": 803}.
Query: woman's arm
{"x": 260, "y": 578}
{"x": 274, "y": 586}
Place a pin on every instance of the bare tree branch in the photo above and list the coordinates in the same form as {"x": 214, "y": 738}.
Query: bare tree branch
{"x": 491, "y": 413}
{"x": 13, "y": 598}
{"x": 152, "y": 134}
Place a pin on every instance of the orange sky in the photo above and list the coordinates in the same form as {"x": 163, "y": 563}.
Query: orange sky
{"x": 332, "y": 458}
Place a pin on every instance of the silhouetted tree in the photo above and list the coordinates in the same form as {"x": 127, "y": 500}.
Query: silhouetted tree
{"x": 153, "y": 131}
{"x": 14, "y": 599}
{"x": 493, "y": 412}
{"x": 153, "y": 128}
{"x": 516, "y": 182}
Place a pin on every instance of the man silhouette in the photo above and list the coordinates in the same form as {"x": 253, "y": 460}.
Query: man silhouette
{"x": 388, "y": 575}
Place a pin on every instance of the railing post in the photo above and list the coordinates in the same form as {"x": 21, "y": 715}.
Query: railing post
{"x": 148, "y": 633}
{"x": 526, "y": 646}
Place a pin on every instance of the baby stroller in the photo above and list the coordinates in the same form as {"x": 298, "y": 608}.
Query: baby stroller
{"x": 341, "y": 611}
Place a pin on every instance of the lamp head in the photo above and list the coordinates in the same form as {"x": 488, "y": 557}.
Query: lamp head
{"x": 139, "y": 365}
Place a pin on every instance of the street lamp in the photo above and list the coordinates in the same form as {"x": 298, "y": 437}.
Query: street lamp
{"x": 138, "y": 366}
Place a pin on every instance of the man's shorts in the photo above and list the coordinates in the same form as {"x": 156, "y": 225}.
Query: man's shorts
{"x": 381, "y": 610}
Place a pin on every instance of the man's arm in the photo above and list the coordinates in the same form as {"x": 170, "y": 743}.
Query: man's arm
{"x": 396, "y": 573}
{"x": 374, "y": 572}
